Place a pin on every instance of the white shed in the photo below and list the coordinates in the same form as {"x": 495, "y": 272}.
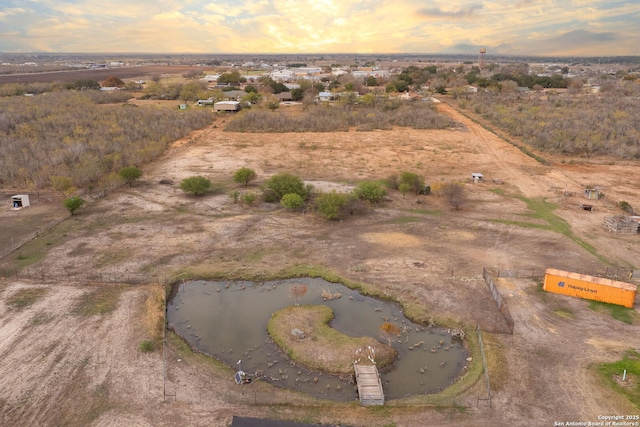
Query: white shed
{"x": 20, "y": 201}
{"x": 227, "y": 106}
{"x": 477, "y": 177}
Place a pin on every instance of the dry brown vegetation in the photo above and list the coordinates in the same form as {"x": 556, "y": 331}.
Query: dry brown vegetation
{"x": 587, "y": 125}
{"x": 83, "y": 136}
{"x": 335, "y": 117}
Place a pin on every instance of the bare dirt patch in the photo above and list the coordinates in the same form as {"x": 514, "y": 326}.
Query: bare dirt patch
{"x": 416, "y": 249}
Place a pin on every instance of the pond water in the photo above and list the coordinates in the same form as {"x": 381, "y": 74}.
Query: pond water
{"x": 228, "y": 321}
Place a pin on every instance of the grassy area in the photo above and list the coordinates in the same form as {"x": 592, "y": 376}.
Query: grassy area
{"x": 101, "y": 300}
{"x": 618, "y": 312}
{"x": 496, "y": 361}
{"x": 403, "y": 220}
{"x": 112, "y": 256}
{"x": 542, "y": 210}
{"x": 425, "y": 212}
{"x": 564, "y": 312}
{"x": 611, "y": 374}
{"x": 336, "y": 348}
{"x": 41, "y": 318}
{"x": 24, "y": 298}
{"x": 35, "y": 250}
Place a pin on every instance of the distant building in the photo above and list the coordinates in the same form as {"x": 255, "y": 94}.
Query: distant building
{"x": 227, "y": 106}
{"x": 326, "y": 96}
{"x": 211, "y": 78}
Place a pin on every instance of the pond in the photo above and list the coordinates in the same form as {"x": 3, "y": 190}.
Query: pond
{"x": 228, "y": 321}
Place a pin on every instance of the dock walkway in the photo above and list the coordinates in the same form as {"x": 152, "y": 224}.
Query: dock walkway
{"x": 369, "y": 385}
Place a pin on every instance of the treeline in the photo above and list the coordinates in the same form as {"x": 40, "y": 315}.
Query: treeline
{"x": 555, "y": 81}
{"x": 84, "y": 136}
{"x": 583, "y": 125}
{"x": 341, "y": 117}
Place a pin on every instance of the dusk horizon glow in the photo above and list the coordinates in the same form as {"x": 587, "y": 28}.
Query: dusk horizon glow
{"x": 524, "y": 27}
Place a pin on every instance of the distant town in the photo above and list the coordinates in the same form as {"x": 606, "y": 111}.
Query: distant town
{"x": 16, "y": 63}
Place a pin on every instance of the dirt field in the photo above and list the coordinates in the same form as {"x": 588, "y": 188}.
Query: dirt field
{"x": 61, "y": 367}
{"x": 97, "y": 74}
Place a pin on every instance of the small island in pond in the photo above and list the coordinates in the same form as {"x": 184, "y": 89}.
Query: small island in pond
{"x": 322, "y": 347}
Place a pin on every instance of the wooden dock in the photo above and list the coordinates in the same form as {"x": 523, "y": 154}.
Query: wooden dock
{"x": 369, "y": 385}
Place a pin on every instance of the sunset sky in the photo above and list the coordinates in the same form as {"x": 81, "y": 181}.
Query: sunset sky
{"x": 535, "y": 27}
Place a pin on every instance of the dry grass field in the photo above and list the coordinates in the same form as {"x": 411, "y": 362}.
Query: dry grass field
{"x": 70, "y": 349}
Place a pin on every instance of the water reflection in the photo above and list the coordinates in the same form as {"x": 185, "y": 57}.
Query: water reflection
{"x": 228, "y": 320}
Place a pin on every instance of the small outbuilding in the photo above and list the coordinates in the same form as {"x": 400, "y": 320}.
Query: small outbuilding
{"x": 592, "y": 193}
{"x": 20, "y": 201}
{"x": 227, "y": 106}
{"x": 477, "y": 177}
{"x": 205, "y": 102}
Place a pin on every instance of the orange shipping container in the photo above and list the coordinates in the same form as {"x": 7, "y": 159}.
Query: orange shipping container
{"x": 589, "y": 287}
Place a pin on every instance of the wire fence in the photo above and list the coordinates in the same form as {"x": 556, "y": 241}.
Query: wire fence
{"x": 502, "y": 305}
{"x": 613, "y": 273}
{"x": 30, "y": 273}
{"x": 249, "y": 395}
{"x": 10, "y": 244}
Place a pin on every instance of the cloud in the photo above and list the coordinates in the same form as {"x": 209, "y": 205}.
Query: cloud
{"x": 456, "y": 13}
{"x": 569, "y": 43}
{"x": 582, "y": 37}
{"x": 541, "y": 27}
{"x": 10, "y": 11}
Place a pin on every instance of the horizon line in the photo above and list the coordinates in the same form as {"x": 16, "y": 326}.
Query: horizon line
{"x": 314, "y": 54}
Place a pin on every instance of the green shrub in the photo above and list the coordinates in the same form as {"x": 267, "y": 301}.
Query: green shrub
{"x": 414, "y": 181}
{"x": 249, "y": 198}
{"x": 196, "y": 185}
{"x": 404, "y": 188}
{"x": 292, "y": 201}
{"x": 330, "y": 204}
{"x": 74, "y": 203}
{"x": 269, "y": 196}
{"x": 370, "y": 191}
{"x": 286, "y": 183}
{"x": 147, "y": 346}
{"x": 244, "y": 176}
{"x": 130, "y": 174}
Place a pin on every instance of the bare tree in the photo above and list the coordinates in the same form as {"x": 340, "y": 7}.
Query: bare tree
{"x": 298, "y": 291}
{"x": 390, "y": 331}
{"x": 454, "y": 193}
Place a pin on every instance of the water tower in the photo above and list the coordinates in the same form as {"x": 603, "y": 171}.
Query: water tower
{"x": 481, "y": 59}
